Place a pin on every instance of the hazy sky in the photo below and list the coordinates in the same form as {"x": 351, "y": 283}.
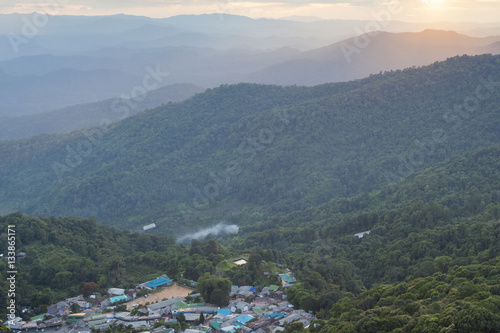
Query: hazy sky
{"x": 411, "y": 10}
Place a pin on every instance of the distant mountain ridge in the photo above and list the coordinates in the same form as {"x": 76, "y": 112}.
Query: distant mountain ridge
{"x": 50, "y": 81}
{"x": 32, "y": 94}
{"x": 371, "y": 53}
{"x": 83, "y": 116}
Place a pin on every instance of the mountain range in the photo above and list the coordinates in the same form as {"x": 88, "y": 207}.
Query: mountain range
{"x": 51, "y": 80}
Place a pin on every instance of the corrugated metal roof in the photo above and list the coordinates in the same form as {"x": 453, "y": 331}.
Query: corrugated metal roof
{"x": 158, "y": 282}
{"x": 287, "y": 277}
{"x": 224, "y": 312}
{"x": 118, "y": 298}
{"x": 245, "y": 318}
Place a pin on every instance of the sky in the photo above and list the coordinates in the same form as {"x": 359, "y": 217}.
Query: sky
{"x": 403, "y": 10}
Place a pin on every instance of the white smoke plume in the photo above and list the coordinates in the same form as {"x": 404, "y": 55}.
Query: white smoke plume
{"x": 218, "y": 229}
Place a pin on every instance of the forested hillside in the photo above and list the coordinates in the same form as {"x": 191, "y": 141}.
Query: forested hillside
{"x": 64, "y": 253}
{"x": 244, "y": 153}
{"x": 459, "y": 299}
{"x": 430, "y": 260}
{"x": 429, "y": 263}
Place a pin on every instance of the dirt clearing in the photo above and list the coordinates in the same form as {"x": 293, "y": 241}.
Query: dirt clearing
{"x": 166, "y": 293}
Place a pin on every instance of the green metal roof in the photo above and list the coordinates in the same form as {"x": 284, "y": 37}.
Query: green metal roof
{"x": 259, "y": 310}
{"x": 287, "y": 277}
{"x": 38, "y": 317}
{"x": 94, "y": 323}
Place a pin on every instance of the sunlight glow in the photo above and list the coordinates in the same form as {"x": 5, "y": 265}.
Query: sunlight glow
{"x": 433, "y": 4}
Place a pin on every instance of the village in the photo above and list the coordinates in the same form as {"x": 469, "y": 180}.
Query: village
{"x": 164, "y": 306}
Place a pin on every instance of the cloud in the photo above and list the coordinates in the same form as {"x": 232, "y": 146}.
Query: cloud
{"x": 53, "y": 7}
{"x": 218, "y": 229}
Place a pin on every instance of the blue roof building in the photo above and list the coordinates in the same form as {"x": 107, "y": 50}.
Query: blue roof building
{"x": 244, "y": 318}
{"x": 117, "y": 299}
{"x": 224, "y": 312}
{"x": 158, "y": 282}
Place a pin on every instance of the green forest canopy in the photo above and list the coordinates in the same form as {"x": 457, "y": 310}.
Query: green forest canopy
{"x": 248, "y": 152}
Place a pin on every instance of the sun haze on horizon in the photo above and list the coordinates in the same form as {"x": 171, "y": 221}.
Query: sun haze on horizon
{"x": 412, "y": 10}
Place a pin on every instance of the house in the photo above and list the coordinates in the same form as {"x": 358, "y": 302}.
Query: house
{"x": 116, "y": 291}
{"x": 205, "y": 309}
{"x": 143, "y": 311}
{"x": 103, "y": 302}
{"x": 132, "y": 293}
{"x": 162, "y": 330}
{"x": 189, "y": 330}
{"x": 290, "y": 319}
{"x": 29, "y": 325}
{"x": 98, "y": 320}
{"x": 149, "y": 226}
{"x": 117, "y": 299}
{"x": 84, "y": 304}
{"x": 223, "y": 312}
{"x": 156, "y": 307}
{"x": 205, "y": 329}
{"x": 287, "y": 279}
{"x": 55, "y": 310}
{"x": 21, "y": 255}
{"x": 96, "y": 317}
{"x": 244, "y": 291}
{"x": 216, "y": 325}
{"x": 190, "y": 316}
{"x": 239, "y": 261}
{"x": 122, "y": 315}
{"x": 274, "y": 287}
{"x": 40, "y": 317}
{"x": 75, "y": 299}
{"x": 135, "y": 324}
{"x": 240, "y": 307}
{"x": 234, "y": 290}
{"x": 62, "y": 304}
{"x": 245, "y": 318}
{"x": 73, "y": 318}
{"x": 229, "y": 329}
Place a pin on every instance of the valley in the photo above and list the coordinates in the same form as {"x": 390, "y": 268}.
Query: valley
{"x": 206, "y": 173}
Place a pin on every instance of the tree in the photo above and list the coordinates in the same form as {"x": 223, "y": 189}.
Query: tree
{"x": 75, "y": 308}
{"x": 294, "y": 328}
{"x": 202, "y": 318}
{"x": 214, "y": 290}
{"x": 219, "y": 297}
{"x": 89, "y": 288}
{"x": 477, "y": 319}
{"x": 442, "y": 264}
